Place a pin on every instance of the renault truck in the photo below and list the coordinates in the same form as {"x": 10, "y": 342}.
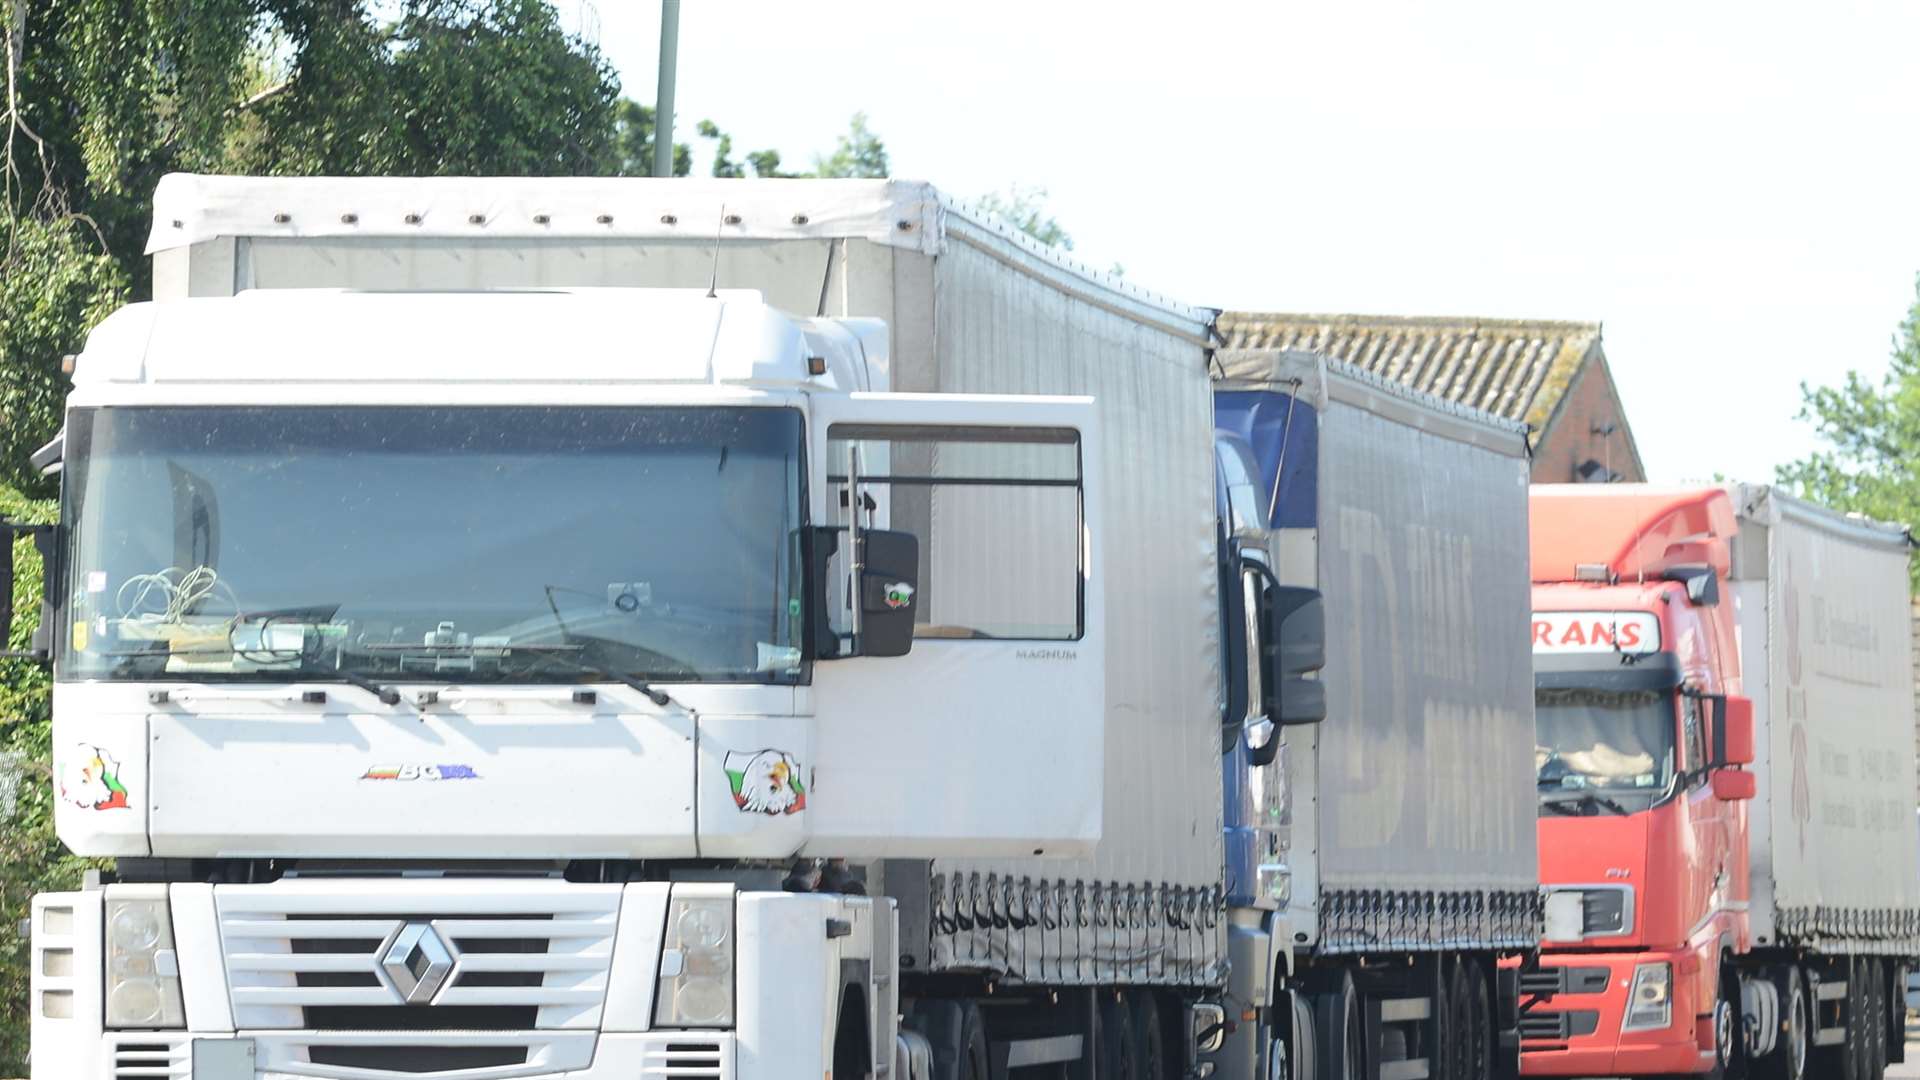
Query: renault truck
{"x": 1725, "y": 764}
{"x": 607, "y": 628}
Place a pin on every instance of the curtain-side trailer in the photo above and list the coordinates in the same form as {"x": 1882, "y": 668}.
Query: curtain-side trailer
{"x": 1382, "y": 862}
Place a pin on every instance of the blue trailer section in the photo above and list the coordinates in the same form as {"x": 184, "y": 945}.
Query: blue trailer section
{"x": 1260, "y": 435}
{"x": 1277, "y": 428}
{"x": 1379, "y": 862}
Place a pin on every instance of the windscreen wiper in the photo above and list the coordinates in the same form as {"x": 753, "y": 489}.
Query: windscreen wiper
{"x": 1589, "y": 798}
{"x": 568, "y": 653}
{"x": 387, "y": 694}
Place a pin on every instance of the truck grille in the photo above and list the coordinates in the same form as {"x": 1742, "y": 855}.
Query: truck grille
{"x": 382, "y": 955}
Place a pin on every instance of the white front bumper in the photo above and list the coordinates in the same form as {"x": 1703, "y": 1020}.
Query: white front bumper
{"x": 150, "y": 1056}
{"x": 594, "y": 1002}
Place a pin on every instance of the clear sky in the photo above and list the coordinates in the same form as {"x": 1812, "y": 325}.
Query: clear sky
{"x": 1732, "y": 189}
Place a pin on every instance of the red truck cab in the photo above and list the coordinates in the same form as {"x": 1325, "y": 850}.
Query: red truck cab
{"x": 1642, "y": 827}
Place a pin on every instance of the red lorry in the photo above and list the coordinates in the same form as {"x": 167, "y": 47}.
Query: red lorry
{"x": 1725, "y": 747}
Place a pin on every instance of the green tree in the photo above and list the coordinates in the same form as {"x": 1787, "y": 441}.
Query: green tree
{"x": 858, "y": 154}
{"x": 31, "y": 858}
{"x": 103, "y": 97}
{"x": 1872, "y": 465}
{"x": 633, "y": 141}
{"x": 1025, "y": 208}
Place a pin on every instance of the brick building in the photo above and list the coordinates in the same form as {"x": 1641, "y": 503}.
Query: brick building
{"x": 1552, "y": 375}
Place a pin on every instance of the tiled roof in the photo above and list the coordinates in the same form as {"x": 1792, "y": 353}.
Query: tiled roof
{"x": 1516, "y": 368}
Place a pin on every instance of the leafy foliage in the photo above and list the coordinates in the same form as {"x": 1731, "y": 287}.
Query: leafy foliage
{"x": 31, "y": 858}
{"x": 103, "y": 97}
{"x": 633, "y": 142}
{"x": 1025, "y": 208}
{"x": 1873, "y": 466}
{"x": 56, "y": 284}
{"x": 859, "y": 154}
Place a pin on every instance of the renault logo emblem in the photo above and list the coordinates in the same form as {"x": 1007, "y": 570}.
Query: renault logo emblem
{"x": 417, "y": 962}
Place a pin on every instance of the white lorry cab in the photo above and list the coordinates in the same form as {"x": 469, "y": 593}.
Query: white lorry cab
{"x": 487, "y": 648}
{"x": 614, "y": 629}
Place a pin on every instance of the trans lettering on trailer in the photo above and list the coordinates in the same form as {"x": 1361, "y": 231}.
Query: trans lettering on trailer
{"x": 1595, "y": 631}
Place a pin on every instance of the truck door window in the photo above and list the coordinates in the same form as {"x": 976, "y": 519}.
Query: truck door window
{"x": 998, "y": 512}
{"x": 1693, "y": 735}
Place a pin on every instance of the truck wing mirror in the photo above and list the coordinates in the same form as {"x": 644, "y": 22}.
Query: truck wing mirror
{"x": 889, "y": 579}
{"x": 45, "y": 540}
{"x": 1296, "y": 629}
{"x": 1734, "y": 785}
{"x": 1703, "y": 585}
{"x": 887, "y": 583}
{"x": 1732, "y": 730}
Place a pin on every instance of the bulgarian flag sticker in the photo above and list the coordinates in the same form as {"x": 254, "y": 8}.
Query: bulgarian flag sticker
{"x": 766, "y": 782}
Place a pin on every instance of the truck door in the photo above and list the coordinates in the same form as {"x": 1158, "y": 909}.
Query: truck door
{"x": 986, "y": 736}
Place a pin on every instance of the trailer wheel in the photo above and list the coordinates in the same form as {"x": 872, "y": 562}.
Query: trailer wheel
{"x": 1149, "y": 1036}
{"x": 973, "y": 1043}
{"x": 1852, "y": 1058}
{"x": 1455, "y": 1007}
{"x": 1877, "y": 1034}
{"x": 1480, "y": 1035}
{"x": 1117, "y": 1061}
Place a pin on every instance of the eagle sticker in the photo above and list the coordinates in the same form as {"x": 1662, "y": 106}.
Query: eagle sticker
{"x": 91, "y": 780}
{"x": 766, "y": 782}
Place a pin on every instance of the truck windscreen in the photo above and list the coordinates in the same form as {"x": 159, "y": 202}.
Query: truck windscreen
{"x": 1616, "y": 740}
{"x": 496, "y": 544}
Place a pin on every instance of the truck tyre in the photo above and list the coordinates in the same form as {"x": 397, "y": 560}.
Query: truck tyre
{"x": 1117, "y": 1060}
{"x": 1149, "y": 1037}
{"x": 1727, "y": 1058}
{"x": 939, "y": 1022}
{"x": 1791, "y": 1047}
{"x": 1877, "y": 1034}
{"x": 1301, "y": 1055}
{"x": 1480, "y": 1036}
{"x": 1853, "y": 1050}
{"x": 973, "y": 1043}
{"x": 1455, "y": 1059}
{"x": 1340, "y": 1031}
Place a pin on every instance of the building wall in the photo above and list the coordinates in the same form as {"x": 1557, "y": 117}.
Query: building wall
{"x": 1591, "y": 401}
{"x": 1916, "y": 679}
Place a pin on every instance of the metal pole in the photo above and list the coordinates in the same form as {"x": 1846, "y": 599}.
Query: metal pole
{"x": 663, "y": 98}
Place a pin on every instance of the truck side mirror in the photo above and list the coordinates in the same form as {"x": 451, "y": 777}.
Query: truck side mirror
{"x": 887, "y": 585}
{"x": 889, "y": 579}
{"x": 1734, "y": 785}
{"x": 1703, "y": 585}
{"x": 1732, "y": 730}
{"x": 1296, "y": 632}
{"x": 45, "y": 540}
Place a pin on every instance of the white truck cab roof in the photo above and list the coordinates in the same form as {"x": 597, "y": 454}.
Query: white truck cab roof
{"x": 583, "y": 337}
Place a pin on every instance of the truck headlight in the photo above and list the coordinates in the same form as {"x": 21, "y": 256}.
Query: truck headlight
{"x": 696, "y": 959}
{"x": 1650, "y": 999}
{"x": 143, "y": 972}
